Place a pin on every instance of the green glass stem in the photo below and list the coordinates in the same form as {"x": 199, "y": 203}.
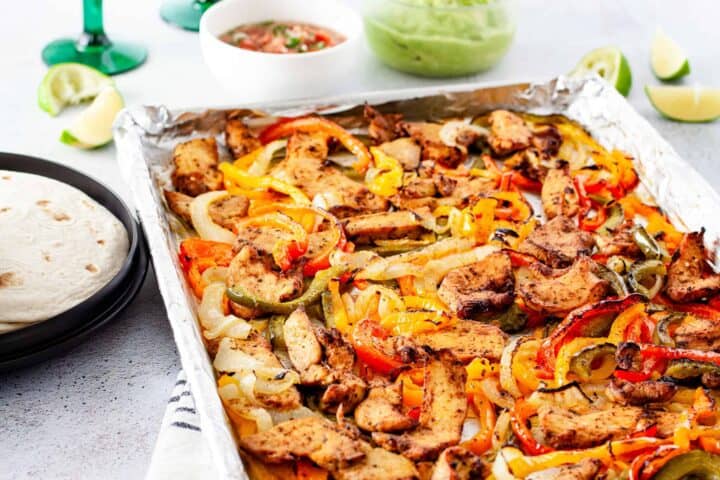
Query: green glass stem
{"x": 93, "y": 47}
{"x": 185, "y": 13}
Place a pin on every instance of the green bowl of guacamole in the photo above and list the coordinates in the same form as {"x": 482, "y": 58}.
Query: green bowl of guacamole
{"x": 439, "y": 38}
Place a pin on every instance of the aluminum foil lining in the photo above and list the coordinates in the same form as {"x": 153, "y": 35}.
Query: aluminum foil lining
{"x": 145, "y": 137}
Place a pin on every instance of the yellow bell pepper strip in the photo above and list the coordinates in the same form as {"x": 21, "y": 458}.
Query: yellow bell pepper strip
{"x": 523, "y": 367}
{"x": 478, "y": 370}
{"x": 412, "y": 393}
{"x": 619, "y": 329}
{"x": 334, "y": 310}
{"x": 246, "y": 182}
{"x": 248, "y": 159}
{"x": 522, "y": 465}
{"x": 311, "y": 124}
{"x": 318, "y": 285}
{"x": 284, "y": 252}
{"x": 481, "y": 442}
{"x": 578, "y": 356}
{"x": 704, "y": 411}
{"x": 519, "y": 416}
{"x": 197, "y": 255}
{"x": 243, "y": 426}
{"x": 386, "y": 178}
{"x": 513, "y": 206}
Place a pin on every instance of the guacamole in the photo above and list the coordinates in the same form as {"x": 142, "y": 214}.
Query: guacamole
{"x": 439, "y": 38}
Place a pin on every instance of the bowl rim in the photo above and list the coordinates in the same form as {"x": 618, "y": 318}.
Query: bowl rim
{"x": 452, "y": 8}
{"x": 350, "y": 37}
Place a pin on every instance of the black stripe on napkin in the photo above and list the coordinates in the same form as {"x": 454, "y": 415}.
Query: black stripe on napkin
{"x": 185, "y": 425}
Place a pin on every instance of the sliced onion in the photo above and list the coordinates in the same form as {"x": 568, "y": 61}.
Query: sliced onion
{"x": 489, "y": 388}
{"x": 507, "y": 380}
{"x": 262, "y": 418}
{"x": 438, "y": 249}
{"x": 451, "y": 130}
{"x": 280, "y": 416}
{"x": 203, "y": 224}
{"x": 231, "y": 326}
{"x": 214, "y": 274}
{"x": 212, "y": 316}
{"x": 261, "y": 164}
{"x": 435, "y": 270}
{"x": 502, "y": 431}
{"x": 500, "y": 468}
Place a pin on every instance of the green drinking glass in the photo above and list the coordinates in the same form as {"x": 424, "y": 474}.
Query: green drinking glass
{"x": 185, "y": 13}
{"x": 93, "y": 48}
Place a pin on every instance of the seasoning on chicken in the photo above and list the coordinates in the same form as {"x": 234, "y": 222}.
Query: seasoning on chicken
{"x": 562, "y": 428}
{"x": 442, "y": 413}
{"x": 382, "y": 411}
{"x": 508, "y": 132}
{"x": 481, "y": 287}
{"x": 379, "y": 464}
{"x": 196, "y": 163}
{"x": 305, "y": 168}
{"x": 559, "y": 197}
{"x": 640, "y": 393}
{"x": 585, "y": 469}
{"x": 386, "y": 225}
{"x": 466, "y": 339}
{"x": 428, "y": 136}
{"x": 697, "y": 333}
{"x": 225, "y": 212}
{"x": 620, "y": 242}
{"x": 238, "y": 137}
{"x": 689, "y": 277}
{"x": 255, "y": 274}
{"x": 382, "y": 127}
{"x": 559, "y": 291}
{"x": 405, "y": 150}
{"x": 558, "y": 242}
{"x": 458, "y": 463}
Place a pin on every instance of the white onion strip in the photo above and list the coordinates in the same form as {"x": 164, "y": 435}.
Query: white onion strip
{"x": 507, "y": 380}
{"x": 261, "y": 164}
{"x": 203, "y": 223}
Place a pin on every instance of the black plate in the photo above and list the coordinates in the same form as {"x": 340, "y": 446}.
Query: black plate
{"x": 43, "y": 339}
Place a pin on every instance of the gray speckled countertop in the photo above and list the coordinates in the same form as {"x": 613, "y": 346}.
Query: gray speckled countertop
{"x": 94, "y": 412}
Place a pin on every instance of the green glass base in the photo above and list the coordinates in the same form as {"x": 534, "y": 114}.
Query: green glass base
{"x": 110, "y": 58}
{"x": 185, "y": 13}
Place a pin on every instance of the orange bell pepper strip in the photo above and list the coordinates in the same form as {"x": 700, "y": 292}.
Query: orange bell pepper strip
{"x": 519, "y": 416}
{"x": 310, "y": 124}
{"x": 482, "y": 441}
{"x": 306, "y": 470}
{"x": 364, "y": 341}
{"x": 710, "y": 444}
{"x": 703, "y": 410}
{"x": 512, "y": 205}
{"x": 197, "y": 255}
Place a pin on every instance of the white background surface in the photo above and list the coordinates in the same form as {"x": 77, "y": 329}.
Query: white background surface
{"x": 94, "y": 412}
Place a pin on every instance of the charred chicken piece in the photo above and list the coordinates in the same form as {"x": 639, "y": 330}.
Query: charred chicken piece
{"x": 466, "y": 339}
{"x": 382, "y": 411}
{"x": 689, "y": 277}
{"x": 559, "y": 197}
{"x": 405, "y": 150}
{"x": 238, "y": 137}
{"x": 442, "y": 413}
{"x": 558, "y": 242}
{"x": 382, "y": 127}
{"x": 560, "y": 291}
{"x": 386, "y": 225}
{"x": 196, "y": 163}
{"x": 508, "y": 132}
{"x": 585, "y": 469}
{"x": 640, "y": 393}
{"x": 379, "y": 463}
{"x": 458, "y": 463}
{"x": 427, "y": 135}
{"x": 225, "y": 212}
{"x": 697, "y": 334}
{"x": 481, "y": 287}
{"x": 254, "y": 272}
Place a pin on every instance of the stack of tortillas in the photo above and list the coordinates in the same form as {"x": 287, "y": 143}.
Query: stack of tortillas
{"x": 57, "y": 248}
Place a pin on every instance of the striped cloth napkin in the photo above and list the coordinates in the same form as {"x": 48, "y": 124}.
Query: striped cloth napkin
{"x": 181, "y": 452}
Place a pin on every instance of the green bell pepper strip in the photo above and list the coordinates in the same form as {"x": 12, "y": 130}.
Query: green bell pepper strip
{"x": 615, "y": 217}
{"x": 642, "y": 271}
{"x": 647, "y": 245}
{"x": 684, "y": 369}
{"x": 318, "y": 285}
{"x": 661, "y": 335}
{"x": 581, "y": 362}
{"x": 696, "y": 464}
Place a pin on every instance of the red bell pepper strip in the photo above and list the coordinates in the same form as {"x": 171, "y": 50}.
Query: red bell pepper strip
{"x": 648, "y": 351}
{"x": 367, "y": 340}
{"x": 585, "y": 223}
{"x": 525, "y": 183}
{"x": 197, "y": 255}
{"x": 518, "y": 259}
{"x": 631, "y": 376}
{"x": 518, "y": 422}
{"x": 287, "y": 126}
{"x": 709, "y": 311}
{"x": 578, "y": 324}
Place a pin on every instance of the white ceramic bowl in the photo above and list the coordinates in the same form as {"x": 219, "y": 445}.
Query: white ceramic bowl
{"x": 255, "y": 76}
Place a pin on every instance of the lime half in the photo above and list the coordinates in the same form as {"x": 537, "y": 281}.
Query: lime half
{"x": 69, "y": 84}
{"x": 685, "y": 104}
{"x": 93, "y": 128}
{"x": 610, "y": 64}
{"x": 667, "y": 59}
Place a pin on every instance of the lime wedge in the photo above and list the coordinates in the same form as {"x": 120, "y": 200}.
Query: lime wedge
{"x": 93, "y": 128}
{"x": 685, "y": 104}
{"x": 667, "y": 59}
{"x": 610, "y": 64}
{"x": 69, "y": 84}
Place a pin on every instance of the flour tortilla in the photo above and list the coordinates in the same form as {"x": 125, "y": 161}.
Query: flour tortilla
{"x": 57, "y": 247}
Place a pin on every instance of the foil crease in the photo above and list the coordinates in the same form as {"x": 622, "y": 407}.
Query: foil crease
{"x": 145, "y": 137}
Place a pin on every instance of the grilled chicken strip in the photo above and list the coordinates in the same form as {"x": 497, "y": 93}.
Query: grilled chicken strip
{"x": 689, "y": 277}
{"x": 466, "y": 339}
{"x": 558, "y": 242}
{"x": 640, "y": 393}
{"x": 698, "y": 334}
{"x": 508, "y": 132}
{"x": 559, "y": 291}
{"x": 442, "y": 413}
{"x": 316, "y": 438}
{"x": 196, "y": 169}
{"x": 620, "y": 243}
{"x": 305, "y": 168}
{"x": 385, "y": 225}
{"x": 428, "y": 136}
{"x": 257, "y": 346}
{"x": 379, "y": 463}
{"x": 382, "y": 127}
{"x": 546, "y": 139}
{"x": 585, "y": 469}
{"x": 564, "y": 429}
{"x": 307, "y": 346}
{"x": 382, "y": 411}
{"x": 458, "y": 463}
{"x": 481, "y": 287}
{"x": 255, "y": 274}
{"x": 239, "y": 138}
{"x": 558, "y": 195}
{"x": 225, "y": 212}
{"x": 404, "y": 150}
